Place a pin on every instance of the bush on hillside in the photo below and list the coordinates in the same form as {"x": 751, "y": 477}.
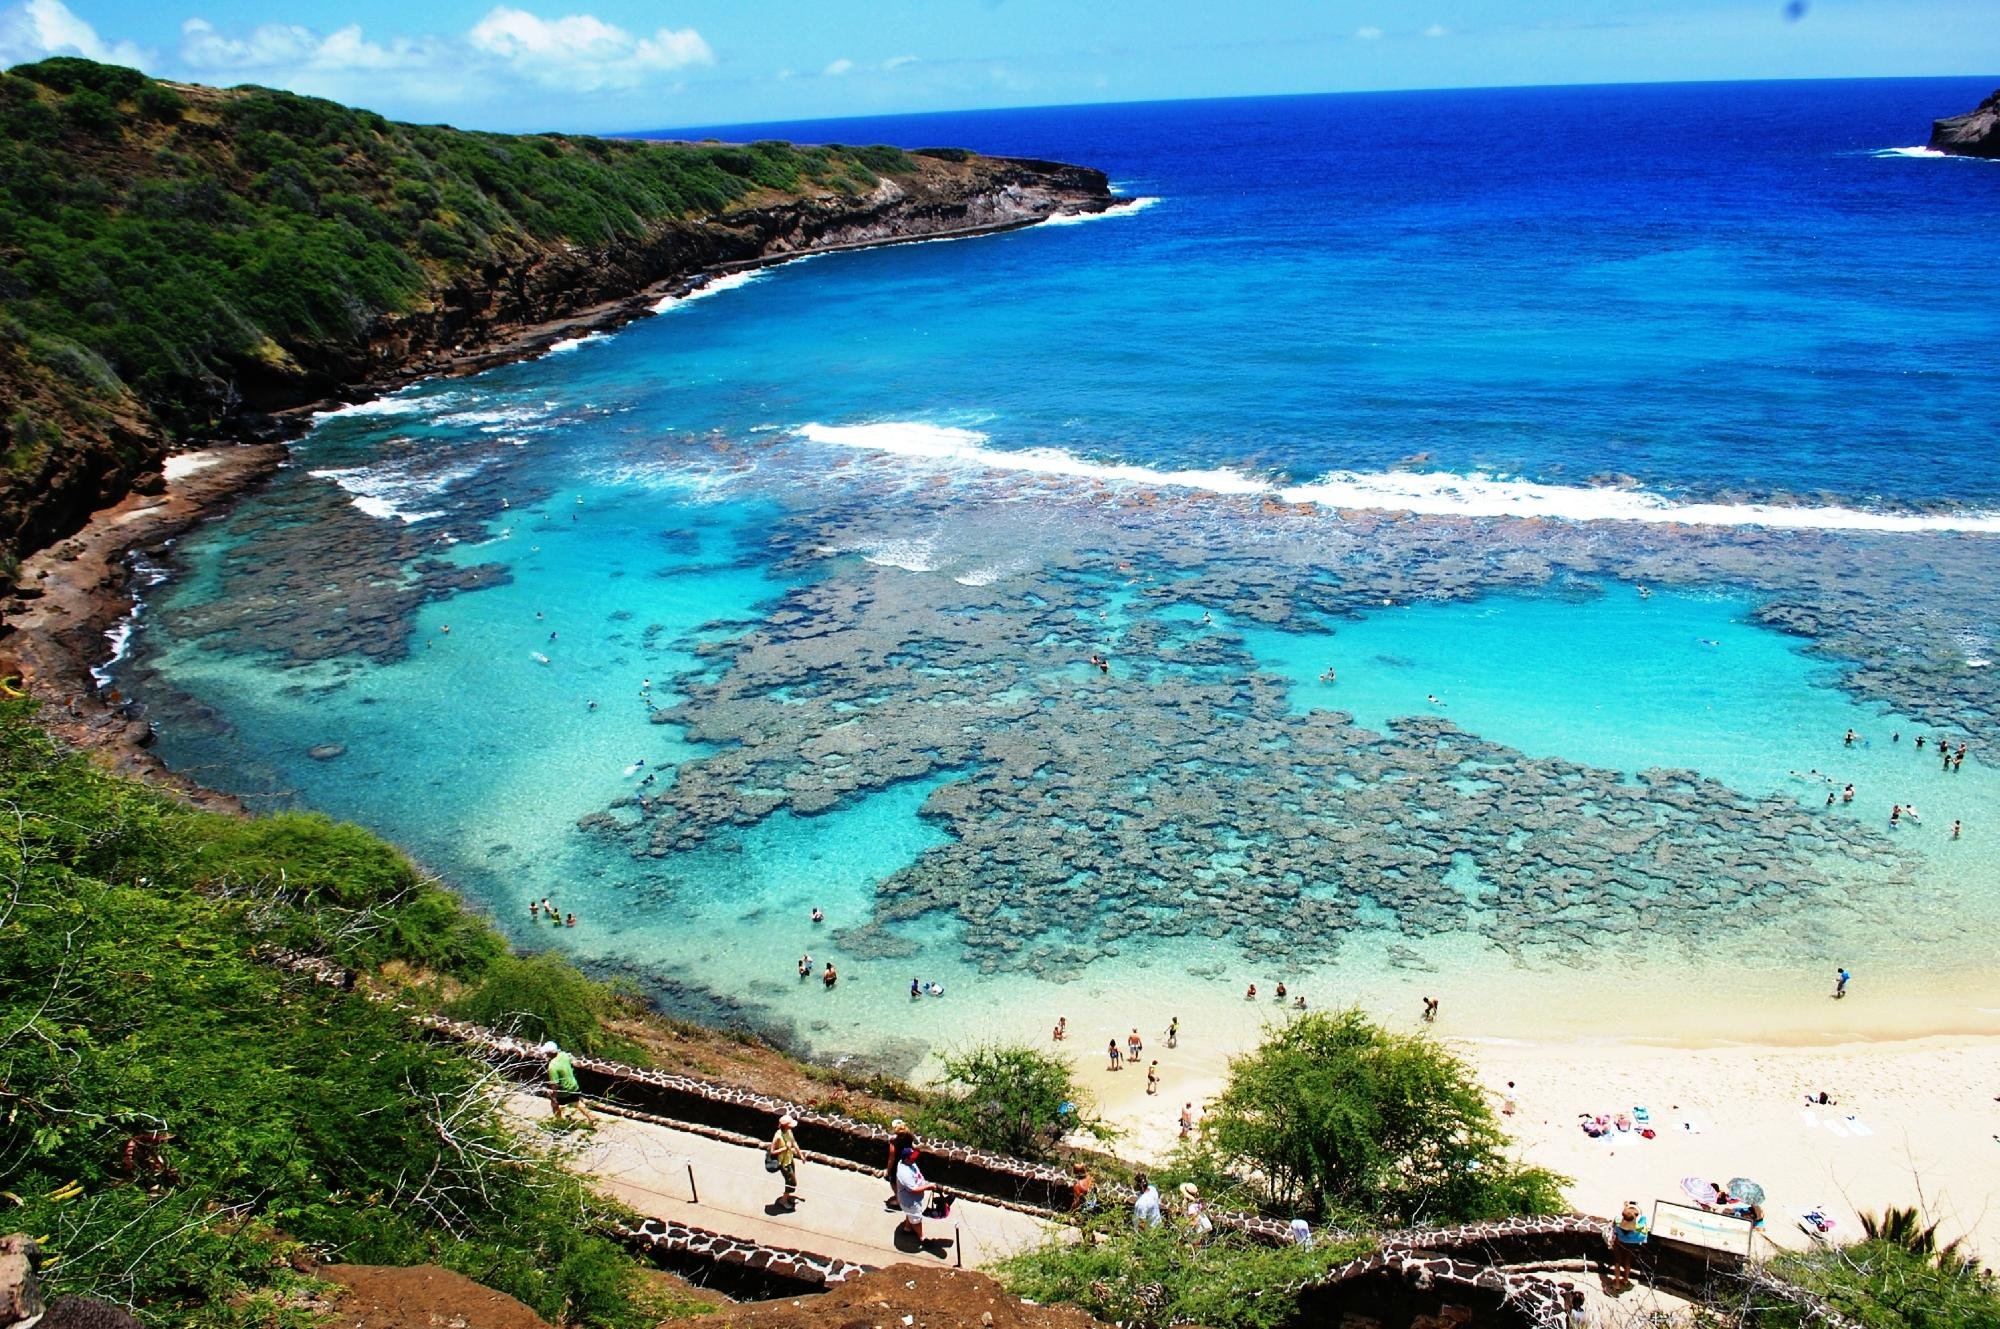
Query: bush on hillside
{"x": 1898, "y": 1276}
{"x": 540, "y": 997}
{"x": 1149, "y": 1279}
{"x": 1012, "y": 1099}
{"x": 1343, "y": 1117}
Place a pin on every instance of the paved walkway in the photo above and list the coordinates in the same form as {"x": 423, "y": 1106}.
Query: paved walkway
{"x": 666, "y": 1173}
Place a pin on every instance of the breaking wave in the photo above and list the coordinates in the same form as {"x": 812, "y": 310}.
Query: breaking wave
{"x": 1441, "y": 493}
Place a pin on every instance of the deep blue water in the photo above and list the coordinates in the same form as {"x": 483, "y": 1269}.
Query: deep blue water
{"x": 1712, "y": 288}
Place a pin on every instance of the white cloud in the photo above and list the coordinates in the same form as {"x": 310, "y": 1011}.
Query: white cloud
{"x": 839, "y": 67}
{"x": 898, "y": 61}
{"x": 39, "y": 28}
{"x": 1437, "y": 30}
{"x": 578, "y": 52}
{"x": 581, "y": 51}
{"x": 1369, "y": 34}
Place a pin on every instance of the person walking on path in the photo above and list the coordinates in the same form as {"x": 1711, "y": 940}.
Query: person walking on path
{"x": 1135, "y": 1047}
{"x": 1187, "y": 1120}
{"x": 1628, "y": 1235}
{"x": 784, "y": 1152}
{"x": 1195, "y": 1214}
{"x": 910, "y": 1189}
{"x": 1146, "y": 1211}
{"x": 563, "y": 1089}
{"x": 902, "y": 1138}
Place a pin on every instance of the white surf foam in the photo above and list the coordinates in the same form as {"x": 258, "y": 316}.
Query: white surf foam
{"x": 943, "y": 443}
{"x": 1433, "y": 493}
{"x": 571, "y": 343}
{"x": 388, "y": 492}
{"x": 395, "y": 405}
{"x": 912, "y": 555}
{"x": 714, "y": 286}
{"x": 1132, "y": 209}
{"x": 120, "y": 637}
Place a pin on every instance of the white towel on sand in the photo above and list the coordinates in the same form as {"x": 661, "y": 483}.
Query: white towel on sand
{"x": 1808, "y": 1119}
{"x": 1839, "y": 1131}
{"x": 1859, "y": 1127}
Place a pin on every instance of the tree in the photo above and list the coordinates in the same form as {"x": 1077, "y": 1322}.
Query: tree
{"x": 1012, "y": 1099}
{"x": 1341, "y": 1116}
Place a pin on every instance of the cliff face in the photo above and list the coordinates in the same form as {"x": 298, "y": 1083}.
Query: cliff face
{"x": 935, "y": 196}
{"x": 179, "y": 263}
{"x": 1974, "y": 134}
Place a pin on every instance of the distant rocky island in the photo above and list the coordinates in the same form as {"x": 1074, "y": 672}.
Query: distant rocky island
{"x": 1974, "y": 134}
{"x": 183, "y": 263}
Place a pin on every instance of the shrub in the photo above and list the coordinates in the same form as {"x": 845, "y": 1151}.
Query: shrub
{"x": 1156, "y": 1277}
{"x": 1342, "y": 1116}
{"x": 1896, "y": 1278}
{"x": 539, "y": 997}
{"x": 1013, "y": 1099}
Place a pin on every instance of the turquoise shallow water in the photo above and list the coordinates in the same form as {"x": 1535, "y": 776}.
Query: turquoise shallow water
{"x": 781, "y": 599}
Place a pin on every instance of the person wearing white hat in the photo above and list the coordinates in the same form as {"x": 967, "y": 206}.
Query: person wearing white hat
{"x": 563, "y": 1090}
{"x": 1194, "y": 1213}
{"x": 784, "y": 1153}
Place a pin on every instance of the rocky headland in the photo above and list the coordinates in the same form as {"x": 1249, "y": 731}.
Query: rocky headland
{"x": 1974, "y": 134}
{"x": 188, "y": 264}
{"x": 193, "y": 266}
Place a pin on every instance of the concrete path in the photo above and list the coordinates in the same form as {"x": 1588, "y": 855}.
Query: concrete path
{"x": 666, "y": 1173}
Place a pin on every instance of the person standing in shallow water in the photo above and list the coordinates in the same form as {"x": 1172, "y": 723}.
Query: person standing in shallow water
{"x": 829, "y": 977}
{"x": 1174, "y": 1032}
{"x": 1840, "y": 979}
{"x": 1430, "y": 1010}
{"x": 1117, "y": 1057}
{"x": 1153, "y": 1078}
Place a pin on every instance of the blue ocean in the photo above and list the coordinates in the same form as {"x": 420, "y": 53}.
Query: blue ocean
{"x": 1505, "y": 545}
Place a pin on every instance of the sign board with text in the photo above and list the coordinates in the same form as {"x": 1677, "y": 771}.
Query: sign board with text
{"x": 1701, "y": 1227}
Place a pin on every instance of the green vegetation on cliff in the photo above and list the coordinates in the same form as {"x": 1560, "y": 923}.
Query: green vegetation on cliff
{"x": 306, "y": 1122}
{"x": 169, "y": 252}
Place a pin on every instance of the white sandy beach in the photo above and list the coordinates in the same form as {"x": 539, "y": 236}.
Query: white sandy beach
{"x": 1916, "y": 1122}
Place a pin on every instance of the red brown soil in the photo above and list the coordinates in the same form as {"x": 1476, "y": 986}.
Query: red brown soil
{"x": 929, "y": 1298}
{"x": 421, "y": 1297}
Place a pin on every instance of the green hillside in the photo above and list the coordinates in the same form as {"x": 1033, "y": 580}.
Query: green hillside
{"x": 170, "y": 255}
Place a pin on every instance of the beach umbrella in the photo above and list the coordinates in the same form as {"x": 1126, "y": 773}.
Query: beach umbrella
{"x": 1698, "y": 1190}
{"x": 1746, "y": 1190}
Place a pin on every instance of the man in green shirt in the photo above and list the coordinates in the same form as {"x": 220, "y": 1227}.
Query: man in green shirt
{"x": 563, "y": 1089}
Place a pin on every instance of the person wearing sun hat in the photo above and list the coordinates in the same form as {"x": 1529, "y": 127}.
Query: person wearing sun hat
{"x": 784, "y": 1151}
{"x": 1194, "y": 1213}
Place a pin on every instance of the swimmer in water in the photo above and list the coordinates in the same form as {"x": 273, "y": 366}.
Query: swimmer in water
{"x": 818, "y": 914}
{"x": 1432, "y": 698}
{"x": 1954, "y": 830}
{"x": 1848, "y": 742}
{"x": 1847, "y": 794}
{"x": 590, "y": 706}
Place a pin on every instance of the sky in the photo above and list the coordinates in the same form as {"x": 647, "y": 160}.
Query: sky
{"x": 612, "y": 65}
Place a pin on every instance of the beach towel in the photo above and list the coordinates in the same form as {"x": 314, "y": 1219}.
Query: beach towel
{"x": 1859, "y": 1127}
{"x": 1837, "y": 1130}
{"x": 1808, "y": 1119}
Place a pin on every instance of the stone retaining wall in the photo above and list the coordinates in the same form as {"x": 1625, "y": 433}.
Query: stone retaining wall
{"x": 738, "y": 1268}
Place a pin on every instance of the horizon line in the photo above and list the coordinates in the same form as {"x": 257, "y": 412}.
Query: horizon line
{"x": 1297, "y": 96}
